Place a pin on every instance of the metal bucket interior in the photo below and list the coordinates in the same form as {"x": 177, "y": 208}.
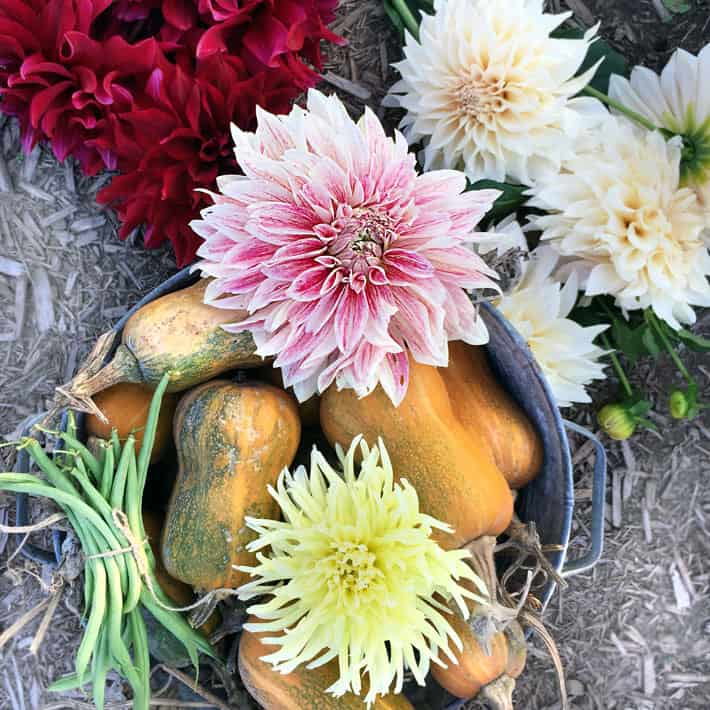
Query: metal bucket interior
{"x": 548, "y": 500}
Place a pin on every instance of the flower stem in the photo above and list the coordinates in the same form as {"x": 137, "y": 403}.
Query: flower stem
{"x": 591, "y": 91}
{"x": 617, "y": 366}
{"x": 652, "y": 320}
{"x": 407, "y": 17}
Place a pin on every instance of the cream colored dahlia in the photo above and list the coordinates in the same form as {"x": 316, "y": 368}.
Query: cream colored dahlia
{"x": 490, "y": 92}
{"x": 678, "y": 101}
{"x": 538, "y": 308}
{"x": 352, "y": 573}
{"x": 502, "y": 237}
{"x": 629, "y": 231}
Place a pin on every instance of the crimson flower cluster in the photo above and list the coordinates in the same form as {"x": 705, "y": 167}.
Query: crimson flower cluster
{"x": 149, "y": 88}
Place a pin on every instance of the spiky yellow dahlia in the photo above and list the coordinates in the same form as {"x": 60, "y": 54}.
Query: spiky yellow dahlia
{"x": 491, "y": 92}
{"x": 353, "y": 574}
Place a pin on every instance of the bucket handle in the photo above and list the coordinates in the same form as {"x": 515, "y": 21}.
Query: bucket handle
{"x": 22, "y": 465}
{"x": 588, "y": 560}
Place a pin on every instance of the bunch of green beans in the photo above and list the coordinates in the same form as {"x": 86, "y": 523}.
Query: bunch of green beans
{"x": 102, "y": 498}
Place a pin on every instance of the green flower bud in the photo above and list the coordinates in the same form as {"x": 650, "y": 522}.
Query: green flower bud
{"x": 617, "y": 421}
{"x": 679, "y": 404}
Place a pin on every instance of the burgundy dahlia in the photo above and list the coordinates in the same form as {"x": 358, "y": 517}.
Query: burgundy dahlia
{"x": 179, "y": 142}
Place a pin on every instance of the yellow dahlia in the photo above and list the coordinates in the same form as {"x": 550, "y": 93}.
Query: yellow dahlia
{"x": 490, "y": 92}
{"x": 353, "y": 574}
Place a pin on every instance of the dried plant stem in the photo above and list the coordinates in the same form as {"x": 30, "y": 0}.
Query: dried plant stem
{"x": 534, "y": 622}
{"x": 489, "y": 620}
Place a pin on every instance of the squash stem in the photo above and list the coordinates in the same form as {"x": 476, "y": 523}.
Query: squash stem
{"x": 498, "y": 694}
{"x": 122, "y": 368}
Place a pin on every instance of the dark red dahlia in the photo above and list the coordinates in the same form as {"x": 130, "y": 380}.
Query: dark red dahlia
{"x": 150, "y": 88}
{"x": 179, "y": 142}
{"x": 63, "y": 85}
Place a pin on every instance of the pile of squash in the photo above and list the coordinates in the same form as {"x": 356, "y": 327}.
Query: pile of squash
{"x": 228, "y": 428}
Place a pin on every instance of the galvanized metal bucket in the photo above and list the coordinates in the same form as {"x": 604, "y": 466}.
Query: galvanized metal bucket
{"x": 548, "y": 500}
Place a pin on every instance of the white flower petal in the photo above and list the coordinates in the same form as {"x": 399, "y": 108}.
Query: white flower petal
{"x": 487, "y": 87}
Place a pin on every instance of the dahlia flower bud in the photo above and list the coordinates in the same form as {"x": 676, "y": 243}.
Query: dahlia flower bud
{"x": 617, "y": 421}
{"x": 679, "y": 404}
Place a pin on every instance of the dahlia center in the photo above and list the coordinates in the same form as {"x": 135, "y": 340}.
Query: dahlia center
{"x": 479, "y": 97}
{"x": 351, "y": 567}
{"x": 362, "y": 239}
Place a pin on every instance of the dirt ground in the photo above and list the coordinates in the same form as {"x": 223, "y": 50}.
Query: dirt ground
{"x": 633, "y": 633}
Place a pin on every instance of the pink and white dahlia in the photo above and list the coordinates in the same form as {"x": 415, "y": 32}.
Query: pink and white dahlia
{"x": 344, "y": 257}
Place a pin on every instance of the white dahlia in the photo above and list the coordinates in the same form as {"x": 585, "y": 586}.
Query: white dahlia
{"x": 616, "y": 210}
{"x": 538, "y": 309}
{"x": 502, "y": 237}
{"x": 490, "y": 91}
{"x": 677, "y": 101}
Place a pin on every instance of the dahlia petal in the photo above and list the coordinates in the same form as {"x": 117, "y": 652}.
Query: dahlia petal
{"x": 351, "y": 319}
{"x": 307, "y": 286}
{"x": 394, "y": 376}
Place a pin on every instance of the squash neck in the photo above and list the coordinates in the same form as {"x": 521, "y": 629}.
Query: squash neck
{"x": 498, "y": 694}
{"x": 123, "y": 367}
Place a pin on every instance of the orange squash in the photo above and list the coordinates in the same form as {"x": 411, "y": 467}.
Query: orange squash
{"x": 452, "y": 468}
{"x": 308, "y": 410}
{"x": 476, "y": 669}
{"x": 125, "y": 406}
{"x": 480, "y": 403}
{"x": 232, "y": 440}
{"x": 302, "y": 689}
{"x": 178, "y": 591}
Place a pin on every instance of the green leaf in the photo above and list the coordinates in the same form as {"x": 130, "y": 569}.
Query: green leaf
{"x": 630, "y": 341}
{"x": 512, "y": 198}
{"x": 677, "y": 6}
{"x": 640, "y": 408}
{"x": 692, "y": 341}
{"x": 394, "y": 17}
{"x": 650, "y": 340}
{"x": 613, "y": 62}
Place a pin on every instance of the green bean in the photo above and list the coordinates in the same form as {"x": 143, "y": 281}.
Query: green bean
{"x": 102, "y": 664}
{"x": 119, "y": 481}
{"x": 87, "y": 457}
{"x": 118, "y": 648}
{"x": 107, "y": 474}
{"x": 151, "y": 426}
{"x": 68, "y": 682}
{"x": 57, "y": 477}
{"x": 115, "y": 444}
{"x": 135, "y": 583}
{"x": 96, "y": 618}
{"x": 141, "y": 656}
